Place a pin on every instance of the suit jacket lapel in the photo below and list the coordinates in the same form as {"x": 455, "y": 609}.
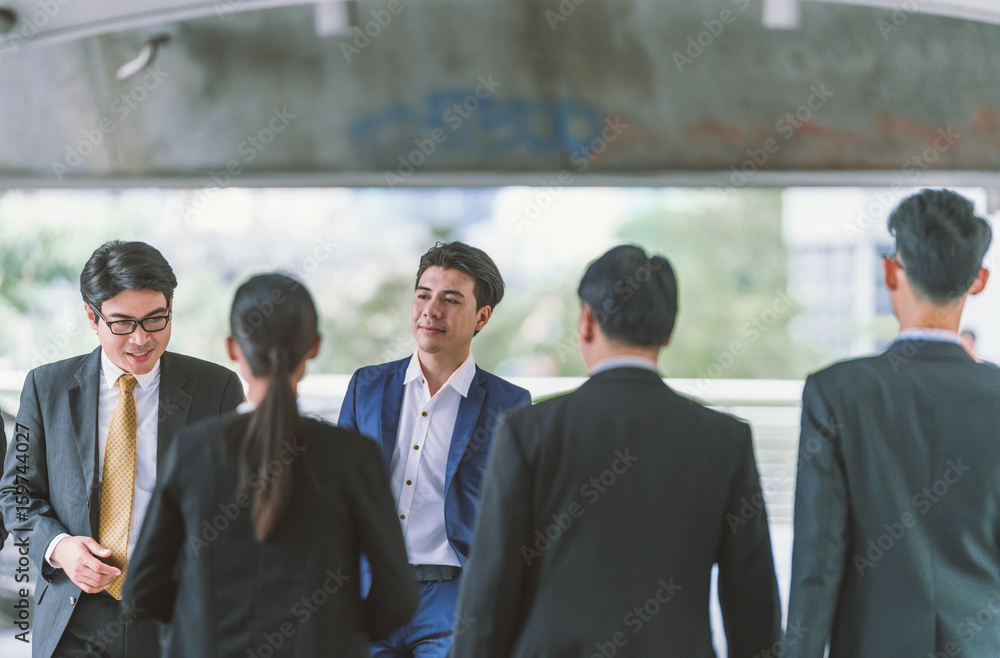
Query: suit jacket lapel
{"x": 391, "y": 405}
{"x": 469, "y": 410}
{"x": 83, "y": 401}
{"x": 175, "y": 403}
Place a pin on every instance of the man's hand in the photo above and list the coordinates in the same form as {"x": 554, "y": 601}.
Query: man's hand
{"x": 78, "y": 557}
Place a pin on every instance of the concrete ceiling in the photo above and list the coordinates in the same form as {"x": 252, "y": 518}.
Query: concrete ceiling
{"x": 469, "y": 92}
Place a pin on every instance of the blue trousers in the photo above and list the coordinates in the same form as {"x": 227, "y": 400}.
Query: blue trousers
{"x": 428, "y": 635}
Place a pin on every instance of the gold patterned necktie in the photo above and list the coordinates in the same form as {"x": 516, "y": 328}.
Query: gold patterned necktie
{"x": 118, "y": 482}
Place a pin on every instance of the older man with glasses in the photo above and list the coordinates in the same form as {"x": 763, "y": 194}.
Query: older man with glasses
{"x": 94, "y": 427}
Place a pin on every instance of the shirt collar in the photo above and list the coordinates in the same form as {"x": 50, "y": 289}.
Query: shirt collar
{"x": 929, "y": 335}
{"x": 627, "y": 361}
{"x": 112, "y": 372}
{"x": 460, "y": 380}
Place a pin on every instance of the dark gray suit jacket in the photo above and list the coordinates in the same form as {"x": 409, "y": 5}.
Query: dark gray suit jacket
{"x": 54, "y": 486}
{"x": 3, "y": 454}
{"x": 603, "y": 512}
{"x": 897, "y": 507}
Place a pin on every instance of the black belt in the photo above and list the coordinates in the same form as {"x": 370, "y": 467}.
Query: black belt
{"x": 424, "y": 573}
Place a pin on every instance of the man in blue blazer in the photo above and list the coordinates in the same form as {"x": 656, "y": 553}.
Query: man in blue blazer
{"x": 433, "y": 415}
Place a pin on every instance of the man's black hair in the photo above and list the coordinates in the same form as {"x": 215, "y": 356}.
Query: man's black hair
{"x": 940, "y": 243}
{"x": 117, "y": 266}
{"x": 632, "y": 296}
{"x": 488, "y": 287}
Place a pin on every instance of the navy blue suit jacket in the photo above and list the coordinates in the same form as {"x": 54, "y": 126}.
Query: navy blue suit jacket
{"x": 373, "y": 404}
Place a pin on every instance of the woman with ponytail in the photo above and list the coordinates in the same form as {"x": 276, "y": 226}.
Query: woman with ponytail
{"x": 253, "y": 540}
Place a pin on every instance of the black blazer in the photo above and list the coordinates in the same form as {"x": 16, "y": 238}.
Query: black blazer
{"x": 53, "y": 487}
{"x": 296, "y": 593}
{"x": 602, "y": 514}
{"x": 897, "y": 507}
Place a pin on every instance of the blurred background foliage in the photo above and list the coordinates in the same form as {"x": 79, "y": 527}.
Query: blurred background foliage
{"x": 358, "y": 250}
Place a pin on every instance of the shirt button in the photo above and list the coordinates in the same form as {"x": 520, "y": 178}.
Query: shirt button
{"x": 423, "y": 414}
{"x": 416, "y": 447}
{"x": 402, "y": 516}
{"x": 409, "y": 482}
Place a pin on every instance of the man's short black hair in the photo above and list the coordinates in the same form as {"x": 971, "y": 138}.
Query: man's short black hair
{"x": 632, "y": 296}
{"x": 117, "y": 266}
{"x": 940, "y": 243}
{"x": 488, "y": 287}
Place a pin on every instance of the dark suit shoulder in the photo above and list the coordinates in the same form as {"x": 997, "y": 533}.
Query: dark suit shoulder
{"x": 312, "y": 428}
{"x": 722, "y": 420}
{"x": 182, "y": 363}
{"x": 369, "y": 376}
{"x": 898, "y": 355}
{"x": 64, "y": 370}
{"x": 502, "y": 386}
{"x": 609, "y": 393}
{"x": 848, "y": 367}
{"x": 337, "y": 437}
{"x": 206, "y": 436}
{"x": 380, "y": 369}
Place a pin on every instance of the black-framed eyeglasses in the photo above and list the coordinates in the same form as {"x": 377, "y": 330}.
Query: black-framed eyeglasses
{"x": 125, "y": 327}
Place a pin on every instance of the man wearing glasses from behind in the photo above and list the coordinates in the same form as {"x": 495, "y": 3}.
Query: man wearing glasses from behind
{"x": 95, "y": 427}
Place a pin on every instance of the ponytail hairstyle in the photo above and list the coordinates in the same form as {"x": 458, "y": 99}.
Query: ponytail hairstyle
{"x": 274, "y": 321}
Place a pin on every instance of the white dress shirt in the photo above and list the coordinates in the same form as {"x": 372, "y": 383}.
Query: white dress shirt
{"x": 930, "y": 336}
{"x": 624, "y": 361}
{"x": 420, "y": 460}
{"x": 147, "y": 407}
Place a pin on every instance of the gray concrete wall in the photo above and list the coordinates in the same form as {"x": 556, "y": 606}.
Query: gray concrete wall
{"x": 546, "y": 88}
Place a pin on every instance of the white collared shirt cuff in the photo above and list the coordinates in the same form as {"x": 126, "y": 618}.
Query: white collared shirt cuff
{"x": 52, "y": 549}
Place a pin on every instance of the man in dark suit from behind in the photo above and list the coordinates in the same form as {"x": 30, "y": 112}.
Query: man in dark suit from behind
{"x": 96, "y": 428}
{"x": 897, "y": 526}
{"x": 603, "y": 511}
